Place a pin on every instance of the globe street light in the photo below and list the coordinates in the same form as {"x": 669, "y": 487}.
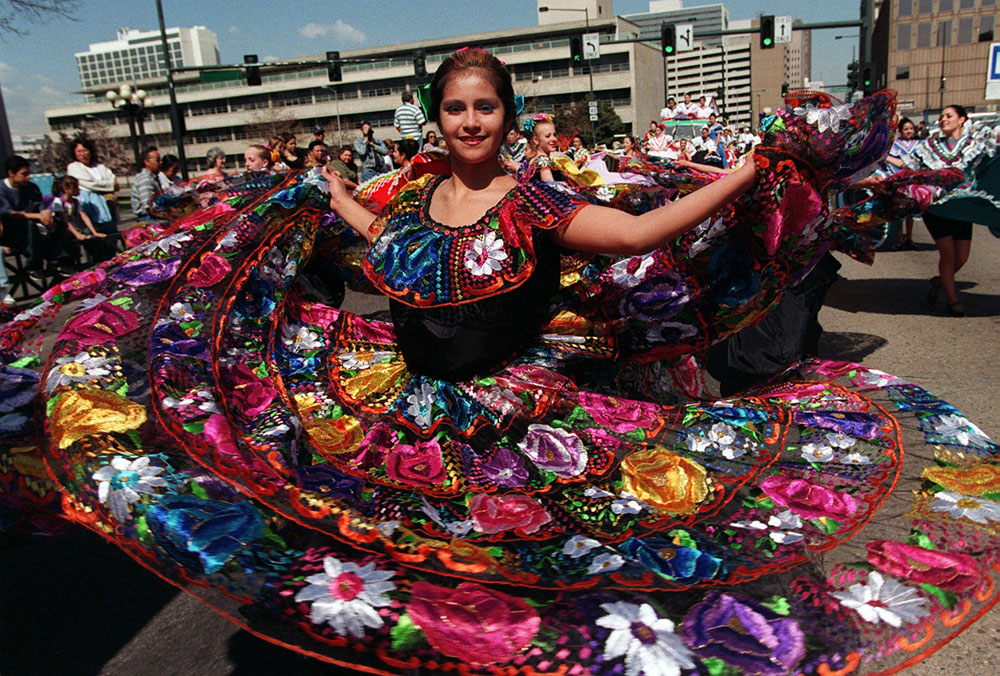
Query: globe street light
{"x": 131, "y": 102}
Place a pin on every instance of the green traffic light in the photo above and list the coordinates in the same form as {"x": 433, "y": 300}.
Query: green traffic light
{"x": 669, "y": 50}
{"x": 767, "y": 42}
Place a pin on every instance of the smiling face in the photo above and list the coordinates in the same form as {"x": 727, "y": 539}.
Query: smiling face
{"x": 544, "y": 137}
{"x": 291, "y": 144}
{"x": 907, "y": 131}
{"x": 346, "y": 156}
{"x": 82, "y": 154}
{"x": 577, "y": 142}
{"x": 950, "y": 122}
{"x": 627, "y": 145}
{"x": 472, "y": 118}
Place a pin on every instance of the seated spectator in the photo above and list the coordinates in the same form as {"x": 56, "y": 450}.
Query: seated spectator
{"x": 317, "y": 155}
{"x": 577, "y": 151}
{"x": 66, "y": 207}
{"x": 319, "y": 134}
{"x": 146, "y": 184}
{"x": 293, "y": 156}
{"x": 170, "y": 166}
{"x": 98, "y": 186}
{"x": 27, "y": 227}
{"x": 431, "y": 144}
{"x": 344, "y": 167}
{"x": 216, "y": 159}
{"x": 257, "y": 158}
{"x": 277, "y": 147}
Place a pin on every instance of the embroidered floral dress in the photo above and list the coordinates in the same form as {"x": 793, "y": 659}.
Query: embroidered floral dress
{"x": 429, "y": 493}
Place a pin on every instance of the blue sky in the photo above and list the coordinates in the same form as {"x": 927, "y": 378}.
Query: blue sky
{"x": 37, "y": 70}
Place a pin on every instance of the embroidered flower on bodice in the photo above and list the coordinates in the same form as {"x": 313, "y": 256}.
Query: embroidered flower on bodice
{"x": 485, "y": 253}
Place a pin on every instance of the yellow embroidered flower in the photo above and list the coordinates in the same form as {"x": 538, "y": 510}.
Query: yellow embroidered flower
{"x": 335, "y": 436}
{"x": 81, "y": 413}
{"x": 665, "y": 480}
{"x": 975, "y": 480}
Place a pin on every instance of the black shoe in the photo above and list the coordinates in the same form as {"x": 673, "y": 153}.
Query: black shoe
{"x": 36, "y": 276}
{"x": 956, "y": 310}
{"x": 934, "y": 291}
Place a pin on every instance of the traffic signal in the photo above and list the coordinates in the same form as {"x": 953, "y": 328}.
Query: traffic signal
{"x": 767, "y": 32}
{"x": 668, "y": 39}
{"x": 852, "y": 76}
{"x": 253, "y": 74}
{"x": 784, "y": 89}
{"x": 419, "y": 63}
{"x": 576, "y": 50}
{"x": 866, "y": 79}
{"x": 333, "y": 70}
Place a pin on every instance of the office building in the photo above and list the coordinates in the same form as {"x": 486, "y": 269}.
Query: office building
{"x": 935, "y": 53}
{"x": 137, "y": 56}
{"x": 705, "y": 19}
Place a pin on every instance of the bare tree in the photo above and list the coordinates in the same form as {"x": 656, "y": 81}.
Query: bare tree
{"x": 264, "y": 124}
{"x": 14, "y": 13}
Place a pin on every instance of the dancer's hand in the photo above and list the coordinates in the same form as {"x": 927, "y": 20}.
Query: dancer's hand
{"x": 338, "y": 190}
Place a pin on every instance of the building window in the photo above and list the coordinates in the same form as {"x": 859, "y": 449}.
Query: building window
{"x": 903, "y": 36}
{"x": 923, "y": 34}
{"x": 988, "y": 3}
{"x": 966, "y": 4}
{"x": 986, "y": 28}
{"x": 925, "y": 6}
{"x": 964, "y": 30}
{"x": 902, "y": 72}
{"x": 944, "y": 33}
{"x": 946, "y": 6}
{"x": 905, "y": 7}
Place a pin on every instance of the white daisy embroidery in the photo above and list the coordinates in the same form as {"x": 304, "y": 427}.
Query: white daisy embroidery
{"x": 485, "y": 253}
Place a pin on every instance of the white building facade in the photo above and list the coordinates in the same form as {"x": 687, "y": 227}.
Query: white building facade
{"x": 136, "y": 56}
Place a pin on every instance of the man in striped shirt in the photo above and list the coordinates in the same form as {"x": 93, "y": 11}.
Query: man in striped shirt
{"x": 409, "y": 118}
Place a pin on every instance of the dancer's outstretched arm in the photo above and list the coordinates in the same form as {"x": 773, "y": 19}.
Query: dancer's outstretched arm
{"x": 355, "y": 215}
{"x": 590, "y": 229}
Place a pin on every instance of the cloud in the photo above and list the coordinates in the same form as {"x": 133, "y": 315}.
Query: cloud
{"x": 341, "y": 32}
{"x": 26, "y": 100}
{"x": 234, "y": 29}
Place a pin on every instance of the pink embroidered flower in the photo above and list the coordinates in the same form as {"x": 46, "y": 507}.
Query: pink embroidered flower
{"x": 498, "y": 513}
{"x": 472, "y": 623}
{"x": 213, "y": 269}
{"x": 954, "y": 572}
{"x": 220, "y": 435}
{"x": 808, "y": 500}
{"x": 619, "y": 415}
{"x": 249, "y": 395}
{"x": 554, "y": 450}
{"x": 100, "y": 324}
{"x": 418, "y": 465}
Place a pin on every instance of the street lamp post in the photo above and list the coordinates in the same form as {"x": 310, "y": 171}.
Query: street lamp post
{"x": 590, "y": 69}
{"x": 131, "y": 102}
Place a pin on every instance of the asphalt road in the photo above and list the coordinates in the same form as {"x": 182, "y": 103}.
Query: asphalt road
{"x": 74, "y": 606}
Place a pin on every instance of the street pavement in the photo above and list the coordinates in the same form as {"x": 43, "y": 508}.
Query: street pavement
{"x": 72, "y": 605}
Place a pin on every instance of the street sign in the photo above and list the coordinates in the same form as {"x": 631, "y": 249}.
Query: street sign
{"x": 906, "y": 104}
{"x": 593, "y": 118}
{"x": 221, "y": 75}
{"x": 993, "y": 72}
{"x": 685, "y": 37}
{"x": 591, "y": 46}
{"x": 782, "y": 29}
{"x": 592, "y": 107}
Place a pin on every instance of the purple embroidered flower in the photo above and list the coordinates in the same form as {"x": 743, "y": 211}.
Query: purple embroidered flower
{"x": 171, "y": 339}
{"x": 506, "y": 468}
{"x": 657, "y": 298}
{"x": 743, "y": 634}
{"x": 849, "y": 423}
{"x": 17, "y": 387}
{"x": 145, "y": 271}
{"x": 554, "y": 449}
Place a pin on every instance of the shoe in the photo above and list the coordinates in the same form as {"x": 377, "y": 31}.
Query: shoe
{"x": 6, "y": 299}
{"x": 36, "y": 276}
{"x": 908, "y": 245}
{"x": 934, "y": 291}
{"x": 956, "y": 310}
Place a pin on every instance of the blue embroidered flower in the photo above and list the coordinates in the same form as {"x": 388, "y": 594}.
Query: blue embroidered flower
{"x": 203, "y": 534}
{"x": 681, "y": 564}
